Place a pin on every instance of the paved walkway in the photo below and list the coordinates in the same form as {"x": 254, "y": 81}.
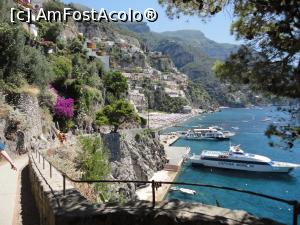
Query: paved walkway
{"x": 9, "y": 188}
{"x": 175, "y": 155}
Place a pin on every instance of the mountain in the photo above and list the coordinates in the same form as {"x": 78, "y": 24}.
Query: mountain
{"x": 197, "y": 39}
{"x": 138, "y": 27}
{"x": 193, "y": 38}
{"x": 194, "y": 54}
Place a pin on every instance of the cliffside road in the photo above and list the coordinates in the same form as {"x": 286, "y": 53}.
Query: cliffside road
{"x": 16, "y": 202}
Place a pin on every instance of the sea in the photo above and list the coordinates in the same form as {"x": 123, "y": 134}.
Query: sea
{"x": 250, "y": 125}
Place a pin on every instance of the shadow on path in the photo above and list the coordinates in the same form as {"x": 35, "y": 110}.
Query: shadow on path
{"x": 28, "y": 211}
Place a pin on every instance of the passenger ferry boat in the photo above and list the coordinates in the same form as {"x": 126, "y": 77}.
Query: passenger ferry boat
{"x": 237, "y": 159}
{"x": 211, "y": 133}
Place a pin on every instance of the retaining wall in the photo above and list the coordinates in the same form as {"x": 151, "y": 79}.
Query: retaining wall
{"x": 73, "y": 209}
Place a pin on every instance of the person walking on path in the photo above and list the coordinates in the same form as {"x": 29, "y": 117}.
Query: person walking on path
{"x": 4, "y": 154}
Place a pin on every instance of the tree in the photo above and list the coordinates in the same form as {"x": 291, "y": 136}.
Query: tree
{"x": 269, "y": 61}
{"x": 116, "y": 86}
{"x": 117, "y": 114}
{"x": 12, "y": 43}
{"x": 202, "y": 8}
{"x": 19, "y": 61}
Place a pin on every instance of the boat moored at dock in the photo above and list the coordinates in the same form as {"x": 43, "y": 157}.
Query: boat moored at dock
{"x": 211, "y": 133}
{"x": 237, "y": 159}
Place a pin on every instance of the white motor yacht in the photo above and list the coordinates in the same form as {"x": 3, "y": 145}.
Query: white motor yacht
{"x": 211, "y": 133}
{"x": 237, "y": 159}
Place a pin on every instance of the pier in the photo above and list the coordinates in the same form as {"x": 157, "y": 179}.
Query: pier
{"x": 175, "y": 156}
{"x": 168, "y": 139}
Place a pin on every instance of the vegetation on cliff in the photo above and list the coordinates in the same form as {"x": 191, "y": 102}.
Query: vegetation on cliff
{"x": 57, "y": 66}
{"x": 93, "y": 162}
{"x": 159, "y": 100}
{"x": 117, "y": 114}
{"x": 116, "y": 86}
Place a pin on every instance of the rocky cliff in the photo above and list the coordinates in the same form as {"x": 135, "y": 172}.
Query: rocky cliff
{"x": 24, "y": 125}
{"x": 134, "y": 155}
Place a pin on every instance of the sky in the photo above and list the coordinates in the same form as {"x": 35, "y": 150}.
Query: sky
{"x": 217, "y": 28}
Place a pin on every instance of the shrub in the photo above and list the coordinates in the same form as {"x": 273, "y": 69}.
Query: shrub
{"x": 146, "y": 134}
{"x": 94, "y": 164}
{"x": 36, "y": 67}
{"x": 61, "y": 66}
{"x": 90, "y": 97}
{"x": 64, "y": 108}
{"x": 75, "y": 46}
{"x": 49, "y": 31}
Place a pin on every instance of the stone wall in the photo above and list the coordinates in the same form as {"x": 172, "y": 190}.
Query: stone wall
{"x": 73, "y": 209}
{"x": 22, "y": 125}
{"x": 29, "y": 105}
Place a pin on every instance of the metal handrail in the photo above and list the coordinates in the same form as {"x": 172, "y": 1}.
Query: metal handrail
{"x": 156, "y": 184}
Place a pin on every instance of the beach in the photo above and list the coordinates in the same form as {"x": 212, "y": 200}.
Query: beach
{"x": 160, "y": 120}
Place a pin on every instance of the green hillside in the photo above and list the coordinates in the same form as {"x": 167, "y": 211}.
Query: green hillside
{"x": 194, "y": 54}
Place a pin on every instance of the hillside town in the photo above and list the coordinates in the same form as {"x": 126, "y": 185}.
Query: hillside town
{"x": 141, "y": 63}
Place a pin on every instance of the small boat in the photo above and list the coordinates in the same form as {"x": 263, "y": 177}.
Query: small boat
{"x": 211, "y": 133}
{"x": 266, "y": 119}
{"x": 237, "y": 159}
{"x": 183, "y": 190}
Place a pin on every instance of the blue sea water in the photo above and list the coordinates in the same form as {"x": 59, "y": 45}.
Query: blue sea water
{"x": 250, "y": 136}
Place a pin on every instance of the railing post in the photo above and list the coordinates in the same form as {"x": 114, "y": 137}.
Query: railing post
{"x": 39, "y": 157}
{"x": 295, "y": 213}
{"x": 43, "y": 163}
{"x": 153, "y": 194}
{"x": 50, "y": 169}
{"x": 64, "y": 184}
